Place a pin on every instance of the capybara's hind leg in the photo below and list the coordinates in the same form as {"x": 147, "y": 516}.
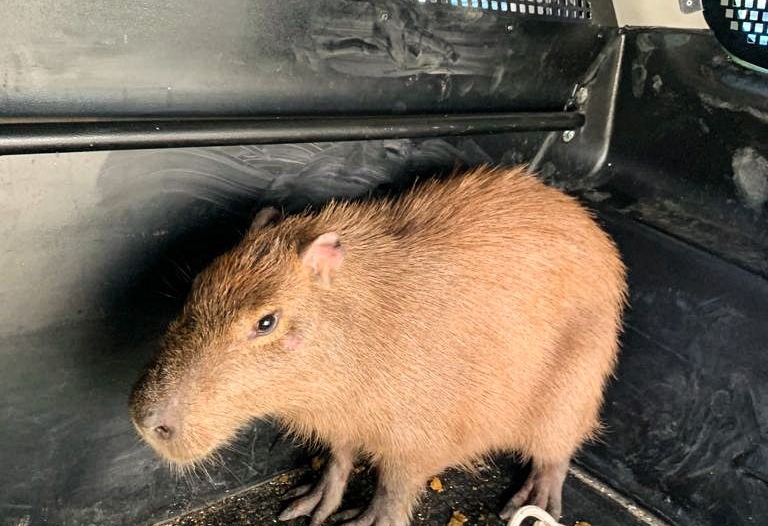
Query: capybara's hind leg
{"x": 543, "y": 488}
{"x": 325, "y": 497}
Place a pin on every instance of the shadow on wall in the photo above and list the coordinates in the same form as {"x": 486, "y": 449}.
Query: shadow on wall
{"x": 197, "y": 203}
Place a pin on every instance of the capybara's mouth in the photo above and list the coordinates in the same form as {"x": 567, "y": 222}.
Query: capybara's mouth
{"x": 178, "y": 435}
{"x": 183, "y": 444}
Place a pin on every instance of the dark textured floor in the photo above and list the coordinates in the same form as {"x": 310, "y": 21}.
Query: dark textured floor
{"x": 466, "y": 499}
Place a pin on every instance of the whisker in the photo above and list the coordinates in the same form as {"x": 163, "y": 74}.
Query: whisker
{"x": 238, "y": 479}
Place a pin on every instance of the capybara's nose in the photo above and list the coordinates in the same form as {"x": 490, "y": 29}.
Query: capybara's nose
{"x": 160, "y": 424}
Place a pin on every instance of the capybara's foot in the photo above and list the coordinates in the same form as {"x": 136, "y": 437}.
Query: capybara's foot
{"x": 324, "y": 498}
{"x": 543, "y": 488}
{"x": 391, "y": 504}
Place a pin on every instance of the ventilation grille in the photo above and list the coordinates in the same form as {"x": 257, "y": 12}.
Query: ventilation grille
{"x": 553, "y": 9}
{"x": 748, "y": 17}
{"x": 741, "y": 26}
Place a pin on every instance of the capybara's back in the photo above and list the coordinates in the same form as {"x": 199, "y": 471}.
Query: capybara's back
{"x": 471, "y": 315}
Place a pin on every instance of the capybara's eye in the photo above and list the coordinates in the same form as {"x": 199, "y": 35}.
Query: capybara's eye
{"x": 265, "y": 325}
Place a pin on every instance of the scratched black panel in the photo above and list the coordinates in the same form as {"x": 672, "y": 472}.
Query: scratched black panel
{"x": 688, "y": 419}
{"x": 233, "y": 57}
{"x": 699, "y": 170}
{"x": 688, "y": 412}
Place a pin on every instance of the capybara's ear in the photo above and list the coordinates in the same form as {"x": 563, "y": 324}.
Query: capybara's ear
{"x": 324, "y": 257}
{"x": 265, "y": 217}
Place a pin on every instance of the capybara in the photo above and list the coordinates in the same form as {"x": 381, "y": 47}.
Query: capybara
{"x": 471, "y": 315}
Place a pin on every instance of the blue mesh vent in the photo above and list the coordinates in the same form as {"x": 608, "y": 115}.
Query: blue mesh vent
{"x": 560, "y": 9}
{"x": 741, "y": 26}
{"x": 748, "y": 17}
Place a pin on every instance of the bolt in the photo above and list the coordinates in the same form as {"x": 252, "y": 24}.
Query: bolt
{"x": 582, "y": 94}
{"x": 568, "y": 135}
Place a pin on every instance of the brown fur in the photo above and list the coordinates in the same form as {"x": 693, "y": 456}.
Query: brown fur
{"x": 473, "y": 315}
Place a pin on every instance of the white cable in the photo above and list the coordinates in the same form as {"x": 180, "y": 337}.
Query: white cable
{"x": 532, "y": 512}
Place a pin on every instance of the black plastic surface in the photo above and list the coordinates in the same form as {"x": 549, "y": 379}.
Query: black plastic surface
{"x": 284, "y": 57}
{"x": 688, "y": 411}
{"x": 699, "y": 171}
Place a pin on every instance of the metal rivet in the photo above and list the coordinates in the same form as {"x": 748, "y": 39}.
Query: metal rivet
{"x": 568, "y": 135}
{"x": 582, "y": 94}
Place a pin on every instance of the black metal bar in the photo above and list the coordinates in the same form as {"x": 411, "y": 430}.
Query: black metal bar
{"x": 77, "y": 135}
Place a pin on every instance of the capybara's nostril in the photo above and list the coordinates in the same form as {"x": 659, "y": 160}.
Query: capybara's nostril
{"x": 163, "y": 432}
{"x": 159, "y": 423}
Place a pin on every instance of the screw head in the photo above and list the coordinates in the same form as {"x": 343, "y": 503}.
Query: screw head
{"x": 568, "y": 135}
{"x": 582, "y": 94}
